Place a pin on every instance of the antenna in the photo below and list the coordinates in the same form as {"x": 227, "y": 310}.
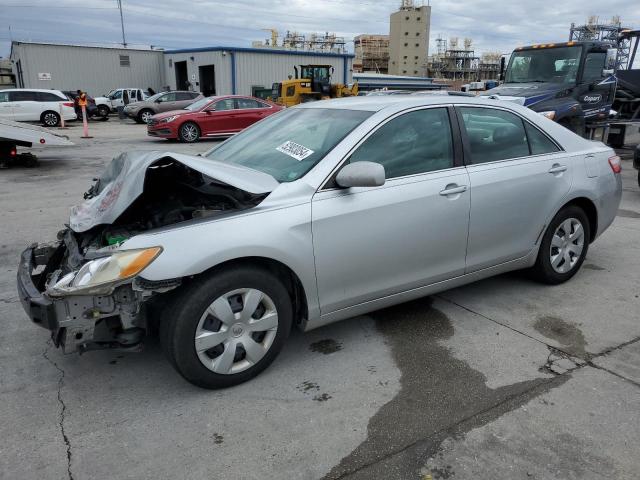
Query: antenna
{"x": 124, "y": 40}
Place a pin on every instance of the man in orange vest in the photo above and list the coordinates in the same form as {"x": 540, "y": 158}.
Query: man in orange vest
{"x": 81, "y": 100}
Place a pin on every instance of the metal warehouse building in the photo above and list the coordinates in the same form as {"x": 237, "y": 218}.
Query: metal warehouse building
{"x": 93, "y": 69}
{"x": 231, "y": 70}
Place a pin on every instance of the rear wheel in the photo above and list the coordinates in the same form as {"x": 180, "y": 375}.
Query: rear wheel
{"x": 50, "y": 119}
{"x": 564, "y": 246}
{"x": 189, "y": 132}
{"x": 227, "y": 328}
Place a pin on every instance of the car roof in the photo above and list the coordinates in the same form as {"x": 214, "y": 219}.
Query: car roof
{"x": 31, "y": 90}
{"x": 381, "y": 102}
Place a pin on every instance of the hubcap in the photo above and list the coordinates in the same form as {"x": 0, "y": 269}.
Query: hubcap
{"x": 50, "y": 119}
{"x": 236, "y": 331}
{"x": 146, "y": 116}
{"x": 189, "y": 132}
{"x": 567, "y": 244}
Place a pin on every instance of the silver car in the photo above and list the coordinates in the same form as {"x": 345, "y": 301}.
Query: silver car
{"x": 142, "y": 111}
{"x": 316, "y": 214}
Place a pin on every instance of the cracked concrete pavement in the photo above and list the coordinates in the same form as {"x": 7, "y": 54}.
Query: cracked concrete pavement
{"x": 501, "y": 379}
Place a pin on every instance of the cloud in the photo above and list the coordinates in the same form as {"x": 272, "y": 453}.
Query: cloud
{"x": 494, "y": 25}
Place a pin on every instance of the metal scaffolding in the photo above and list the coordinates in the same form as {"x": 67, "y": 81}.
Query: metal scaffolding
{"x": 593, "y": 30}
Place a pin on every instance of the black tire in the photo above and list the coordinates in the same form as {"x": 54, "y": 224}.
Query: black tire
{"x": 180, "y": 321}
{"x": 543, "y": 271}
{"x": 183, "y": 134}
{"x": 50, "y": 119}
{"x": 639, "y": 178}
{"x": 141, "y": 113}
{"x": 104, "y": 111}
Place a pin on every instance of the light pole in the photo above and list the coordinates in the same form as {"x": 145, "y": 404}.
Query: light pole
{"x": 124, "y": 40}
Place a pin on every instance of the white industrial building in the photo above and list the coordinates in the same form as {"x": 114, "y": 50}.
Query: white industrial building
{"x": 242, "y": 71}
{"x": 211, "y": 70}
{"x": 96, "y": 70}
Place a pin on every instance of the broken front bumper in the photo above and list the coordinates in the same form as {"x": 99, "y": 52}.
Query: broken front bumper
{"x": 77, "y": 322}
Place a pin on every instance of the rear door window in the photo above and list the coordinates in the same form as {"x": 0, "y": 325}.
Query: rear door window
{"x": 4, "y": 97}
{"x": 246, "y": 103}
{"x": 22, "y": 96}
{"x": 538, "y": 141}
{"x": 48, "y": 97}
{"x": 184, "y": 96}
{"x": 494, "y": 134}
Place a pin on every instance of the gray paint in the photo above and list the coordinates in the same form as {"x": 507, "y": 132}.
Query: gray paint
{"x": 93, "y": 69}
{"x": 252, "y": 68}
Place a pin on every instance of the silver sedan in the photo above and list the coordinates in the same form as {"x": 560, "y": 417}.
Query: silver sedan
{"x": 316, "y": 214}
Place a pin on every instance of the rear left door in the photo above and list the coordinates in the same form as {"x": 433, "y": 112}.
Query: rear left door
{"x": 183, "y": 99}
{"x": 518, "y": 176}
{"x": 167, "y": 102}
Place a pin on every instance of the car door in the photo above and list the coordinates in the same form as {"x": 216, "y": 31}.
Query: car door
{"x": 410, "y": 232}
{"x": 518, "y": 176}
{"x": 249, "y": 111}
{"x": 167, "y": 102}
{"x": 6, "y": 106}
{"x": 219, "y": 118}
{"x": 595, "y": 90}
{"x": 25, "y": 106}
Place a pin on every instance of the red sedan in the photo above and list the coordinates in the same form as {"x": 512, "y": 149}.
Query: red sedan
{"x": 210, "y": 117}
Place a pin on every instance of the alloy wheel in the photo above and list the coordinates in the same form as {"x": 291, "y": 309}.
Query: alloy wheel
{"x": 189, "y": 132}
{"x": 146, "y": 116}
{"x": 567, "y": 245}
{"x": 50, "y": 119}
{"x": 236, "y": 331}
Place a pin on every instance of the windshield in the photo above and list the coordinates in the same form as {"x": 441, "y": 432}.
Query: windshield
{"x": 558, "y": 65}
{"x": 195, "y": 106}
{"x": 288, "y": 144}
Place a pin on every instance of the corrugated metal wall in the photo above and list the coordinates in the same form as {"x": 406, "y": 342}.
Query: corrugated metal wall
{"x": 95, "y": 70}
{"x": 252, "y": 68}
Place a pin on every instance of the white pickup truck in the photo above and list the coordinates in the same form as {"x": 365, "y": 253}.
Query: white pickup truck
{"x": 113, "y": 99}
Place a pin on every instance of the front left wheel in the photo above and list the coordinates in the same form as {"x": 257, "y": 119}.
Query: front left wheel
{"x": 227, "y": 328}
{"x": 189, "y": 132}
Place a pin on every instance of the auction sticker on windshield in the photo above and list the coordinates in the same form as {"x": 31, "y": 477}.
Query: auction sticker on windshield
{"x": 294, "y": 150}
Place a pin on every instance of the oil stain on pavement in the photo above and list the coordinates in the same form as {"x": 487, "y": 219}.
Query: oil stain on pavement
{"x": 326, "y": 346}
{"x": 565, "y": 333}
{"x": 438, "y": 392}
{"x": 628, "y": 213}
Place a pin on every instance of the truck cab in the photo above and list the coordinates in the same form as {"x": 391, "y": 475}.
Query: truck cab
{"x": 572, "y": 83}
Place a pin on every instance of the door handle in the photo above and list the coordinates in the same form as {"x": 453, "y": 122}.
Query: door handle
{"x": 453, "y": 189}
{"x": 557, "y": 168}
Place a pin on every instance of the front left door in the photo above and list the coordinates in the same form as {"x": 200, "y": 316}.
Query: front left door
{"x": 219, "y": 118}
{"x": 410, "y": 232}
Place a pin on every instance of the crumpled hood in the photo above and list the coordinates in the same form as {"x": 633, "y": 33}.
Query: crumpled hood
{"x": 525, "y": 93}
{"x": 123, "y": 182}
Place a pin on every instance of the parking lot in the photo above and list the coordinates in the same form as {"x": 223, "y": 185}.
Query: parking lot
{"x": 501, "y": 379}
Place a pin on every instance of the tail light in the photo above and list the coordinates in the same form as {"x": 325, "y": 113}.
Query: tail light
{"x": 68, "y": 104}
{"x": 13, "y": 152}
{"x": 615, "y": 163}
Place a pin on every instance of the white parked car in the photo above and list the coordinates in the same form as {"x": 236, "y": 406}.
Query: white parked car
{"x": 113, "y": 99}
{"x": 36, "y": 105}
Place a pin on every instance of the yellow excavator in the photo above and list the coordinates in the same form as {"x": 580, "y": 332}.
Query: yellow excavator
{"x": 311, "y": 83}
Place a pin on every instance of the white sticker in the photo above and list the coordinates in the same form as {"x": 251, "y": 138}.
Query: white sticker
{"x": 294, "y": 150}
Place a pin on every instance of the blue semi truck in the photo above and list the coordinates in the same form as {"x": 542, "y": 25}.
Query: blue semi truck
{"x": 577, "y": 84}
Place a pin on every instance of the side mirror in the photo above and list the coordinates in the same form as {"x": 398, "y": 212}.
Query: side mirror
{"x": 361, "y": 174}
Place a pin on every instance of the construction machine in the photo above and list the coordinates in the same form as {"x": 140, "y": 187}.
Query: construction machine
{"x": 311, "y": 83}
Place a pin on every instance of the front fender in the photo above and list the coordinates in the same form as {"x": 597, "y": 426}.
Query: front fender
{"x": 281, "y": 234}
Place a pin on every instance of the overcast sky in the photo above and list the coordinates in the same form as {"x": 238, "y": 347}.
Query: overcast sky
{"x": 494, "y": 25}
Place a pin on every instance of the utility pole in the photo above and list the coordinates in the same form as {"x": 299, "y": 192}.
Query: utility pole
{"x": 124, "y": 40}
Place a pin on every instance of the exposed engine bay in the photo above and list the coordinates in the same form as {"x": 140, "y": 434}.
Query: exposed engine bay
{"x": 172, "y": 193}
{"x": 138, "y": 192}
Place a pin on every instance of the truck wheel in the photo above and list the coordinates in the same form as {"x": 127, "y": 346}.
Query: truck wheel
{"x": 50, "y": 119}
{"x": 564, "y": 246}
{"x": 104, "y": 111}
{"x": 189, "y": 132}
{"x": 226, "y": 328}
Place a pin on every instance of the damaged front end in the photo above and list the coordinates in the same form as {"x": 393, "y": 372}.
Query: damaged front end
{"x": 86, "y": 288}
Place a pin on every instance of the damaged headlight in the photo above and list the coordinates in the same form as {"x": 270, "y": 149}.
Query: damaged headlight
{"x": 99, "y": 276}
{"x": 169, "y": 119}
